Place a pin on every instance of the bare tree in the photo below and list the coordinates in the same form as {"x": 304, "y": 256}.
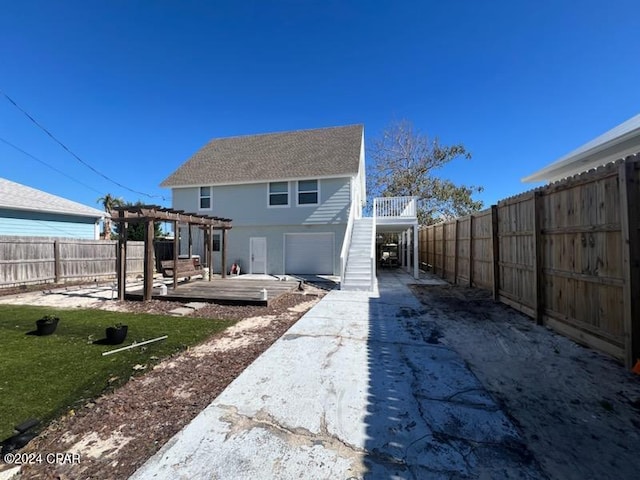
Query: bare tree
{"x": 405, "y": 162}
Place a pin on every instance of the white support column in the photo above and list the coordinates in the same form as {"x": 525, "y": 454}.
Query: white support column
{"x": 409, "y": 244}
{"x": 416, "y": 261}
{"x": 404, "y": 250}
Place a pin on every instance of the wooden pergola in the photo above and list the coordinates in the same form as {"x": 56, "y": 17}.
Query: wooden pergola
{"x": 148, "y": 214}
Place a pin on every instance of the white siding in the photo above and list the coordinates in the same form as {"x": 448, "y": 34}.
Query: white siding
{"x": 247, "y": 205}
{"x": 238, "y": 245}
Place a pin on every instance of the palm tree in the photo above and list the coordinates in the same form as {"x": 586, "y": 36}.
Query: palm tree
{"x": 109, "y": 202}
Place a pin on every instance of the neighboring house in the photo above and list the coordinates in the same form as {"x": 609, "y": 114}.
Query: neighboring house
{"x": 290, "y": 196}
{"x": 617, "y": 143}
{"x": 25, "y": 211}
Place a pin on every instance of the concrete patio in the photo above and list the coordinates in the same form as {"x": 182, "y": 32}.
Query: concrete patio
{"x": 353, "y": 390}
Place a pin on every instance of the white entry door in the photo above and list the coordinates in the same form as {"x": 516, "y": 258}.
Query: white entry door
{"x": 258, "y": 252}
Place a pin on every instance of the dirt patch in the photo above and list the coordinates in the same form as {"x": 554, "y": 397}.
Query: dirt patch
{"x": 577, "y": 409}
{"x": 116, "y": 433}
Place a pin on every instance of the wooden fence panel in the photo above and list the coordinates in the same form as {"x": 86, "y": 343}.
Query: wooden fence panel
{"x": 482, "y": 259}
{"x": 86, "y": 259}
{"x": 517, "y": 261}
{"x": 438, "y": 263}
{"x": 582, "y": 261}
{"x": 464, "y": 249}
{"x": 431, "y": 246}
{"x": 567, "y": 254}
{"x": 135, "y": 257}
{"x": 450, "y": 251}
{"x": 422, "y": 248}
{"x": 29, "y": 260}
{"x": 629, "y": 177}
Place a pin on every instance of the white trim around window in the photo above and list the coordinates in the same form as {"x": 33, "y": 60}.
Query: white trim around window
{"x": 205, "y": 198}
{"x": 306, "y": 190}
{"x": 278, "y": 195}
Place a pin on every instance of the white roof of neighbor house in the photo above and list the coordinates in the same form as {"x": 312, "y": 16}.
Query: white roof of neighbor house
{"x": 617, "y": 143}
{"x": 15, "y": 196}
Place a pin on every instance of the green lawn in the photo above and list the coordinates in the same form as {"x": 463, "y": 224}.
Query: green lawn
{"x": 43, "y": 377}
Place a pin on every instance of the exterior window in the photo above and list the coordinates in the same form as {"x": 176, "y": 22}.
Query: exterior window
{"x": 279, "y": 194}
{"x": 308, "y": 192}
{"x": 216, "y": 242}
{"x": 205, "y": 198}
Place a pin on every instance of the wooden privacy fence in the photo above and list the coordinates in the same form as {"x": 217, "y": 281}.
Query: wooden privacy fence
{"x": 28, "y": 260}
{"x": 567, "y": 255}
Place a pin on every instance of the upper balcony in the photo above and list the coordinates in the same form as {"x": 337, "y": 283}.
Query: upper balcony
{"x": 395, "y": 212}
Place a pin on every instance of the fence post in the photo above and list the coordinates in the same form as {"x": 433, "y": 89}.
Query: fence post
{"x": 56, "y": 261}
{"x": 628, "y": 178}
{"x": 495, "y": 260}
{"x": 538, "y": 279}
{"x": 470, "y": 250}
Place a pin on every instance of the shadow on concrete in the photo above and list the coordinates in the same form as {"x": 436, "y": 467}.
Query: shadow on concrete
{"x": 428, "y": 416}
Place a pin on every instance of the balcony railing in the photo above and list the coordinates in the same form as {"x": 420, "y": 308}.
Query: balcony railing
{"x": 394, "y": 207}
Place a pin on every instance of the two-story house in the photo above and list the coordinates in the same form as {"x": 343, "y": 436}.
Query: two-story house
{"x": 292, "y": 196}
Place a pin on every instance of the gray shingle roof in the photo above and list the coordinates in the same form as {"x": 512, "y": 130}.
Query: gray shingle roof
{"x": 15, "y": 196}
{"x": 319, "y": 152}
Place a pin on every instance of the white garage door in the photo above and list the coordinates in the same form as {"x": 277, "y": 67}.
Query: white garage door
{"x": 308, "y": 253}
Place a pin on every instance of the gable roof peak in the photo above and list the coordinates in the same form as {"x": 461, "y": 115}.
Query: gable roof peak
{"x": 286, "y": 132}
{"x": 318, "y": 152}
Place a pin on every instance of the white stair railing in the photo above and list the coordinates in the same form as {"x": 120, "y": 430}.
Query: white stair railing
{"x": 373, "y": 251}
{"x": 346, "y": 243}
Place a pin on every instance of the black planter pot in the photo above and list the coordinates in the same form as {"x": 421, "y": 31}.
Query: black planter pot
{"x": 116, "y": 335}
{"x": 46, "y": 326}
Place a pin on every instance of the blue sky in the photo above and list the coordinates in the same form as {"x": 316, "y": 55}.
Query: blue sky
{"x": 136, "y": 87}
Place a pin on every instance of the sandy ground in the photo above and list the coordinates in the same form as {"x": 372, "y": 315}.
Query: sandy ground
{"x": 578, "y": 410}
{"x": 115, "y": 433}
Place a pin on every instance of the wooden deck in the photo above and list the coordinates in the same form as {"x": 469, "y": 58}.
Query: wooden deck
{"x": 229, "y": 291}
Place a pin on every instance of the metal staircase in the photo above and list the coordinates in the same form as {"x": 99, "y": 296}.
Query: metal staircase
{"x": 359, "y": 274}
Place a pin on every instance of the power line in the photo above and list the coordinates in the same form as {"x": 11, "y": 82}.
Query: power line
{"x": 7, "y": 142}
{"x": 41, "y": 127}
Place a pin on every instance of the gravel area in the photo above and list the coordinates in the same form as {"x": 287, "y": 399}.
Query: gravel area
{"x": 115, "y": 434}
